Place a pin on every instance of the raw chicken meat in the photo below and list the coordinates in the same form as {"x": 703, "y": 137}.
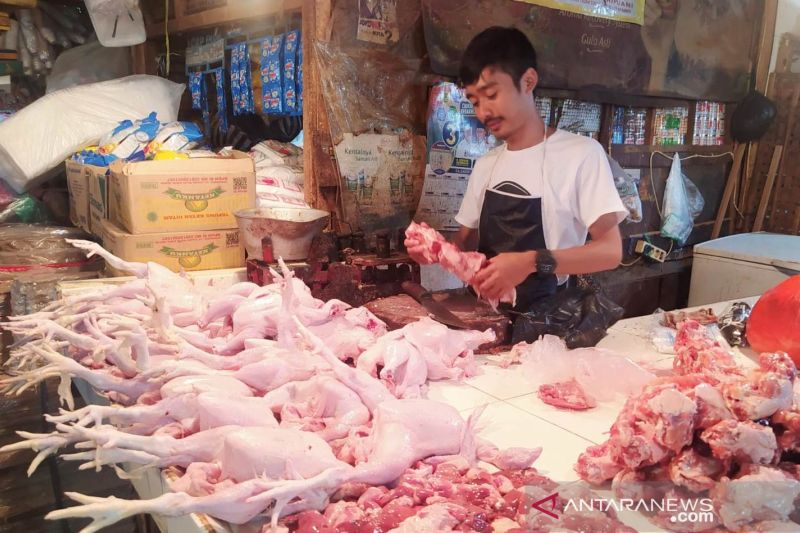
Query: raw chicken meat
{"x": 704, "y": 317}
{"x": 464, "y": 265}
{"x": 242, "y": 389}
{"x": 745, "y": 442}
{"x": 422, "y": 351}
{"x": 761, "y": 493}
{"x": 696, "y": 351}
{"x": 712, "y": 434}
{"x": 566, "y": 395}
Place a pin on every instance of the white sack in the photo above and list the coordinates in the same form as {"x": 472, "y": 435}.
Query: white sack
{"x": 42, "y": 135}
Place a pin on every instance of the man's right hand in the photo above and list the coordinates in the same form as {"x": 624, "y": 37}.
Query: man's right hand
{"x": 416, "y": 250}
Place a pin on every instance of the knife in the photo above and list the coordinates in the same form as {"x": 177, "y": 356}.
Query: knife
{"x": 437, "y": 310}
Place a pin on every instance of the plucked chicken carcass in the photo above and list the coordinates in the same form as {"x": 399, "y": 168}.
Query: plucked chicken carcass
{"x": 422, "y": 351}
{"x": 245, "y": 418}
{"x": 464, "y": 265}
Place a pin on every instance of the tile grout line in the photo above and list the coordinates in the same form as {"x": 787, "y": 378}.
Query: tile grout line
{"x": 549, "y": 422}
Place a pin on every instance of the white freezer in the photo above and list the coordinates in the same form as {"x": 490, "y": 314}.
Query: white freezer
{"x": 739, "y": 266}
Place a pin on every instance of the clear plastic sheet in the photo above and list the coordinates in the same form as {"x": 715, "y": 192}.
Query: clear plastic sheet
{"x": 29, "y": 244}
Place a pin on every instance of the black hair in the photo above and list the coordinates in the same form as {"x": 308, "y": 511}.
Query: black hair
{"x": 507, "y": 49}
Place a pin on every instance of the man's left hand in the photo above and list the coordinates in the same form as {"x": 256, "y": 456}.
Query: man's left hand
{"x": 503, "y": 273}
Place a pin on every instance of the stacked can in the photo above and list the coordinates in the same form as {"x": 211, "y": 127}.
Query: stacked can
{"x": 709, "y": 124}
{"x": 670, "y": 125}
{"x": 629, "y": 126}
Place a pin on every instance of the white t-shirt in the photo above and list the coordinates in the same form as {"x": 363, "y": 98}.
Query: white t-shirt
{"x": 569, "y": 172}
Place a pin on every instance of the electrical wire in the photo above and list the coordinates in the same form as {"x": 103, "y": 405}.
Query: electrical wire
{"x": 652, "y": 183}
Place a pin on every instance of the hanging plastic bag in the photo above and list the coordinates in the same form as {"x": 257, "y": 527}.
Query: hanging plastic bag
{"x": 628, "y": 189}
{"x": 682, "y": 203}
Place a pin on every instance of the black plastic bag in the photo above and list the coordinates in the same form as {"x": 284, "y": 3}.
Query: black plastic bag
{"x": 579, "y": 315}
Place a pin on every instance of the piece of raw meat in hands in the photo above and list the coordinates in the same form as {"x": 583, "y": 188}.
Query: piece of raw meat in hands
{"x": 464, "y": 265}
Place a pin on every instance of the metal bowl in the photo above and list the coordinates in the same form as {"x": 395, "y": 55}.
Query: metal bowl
{"x": 287, "y": 232}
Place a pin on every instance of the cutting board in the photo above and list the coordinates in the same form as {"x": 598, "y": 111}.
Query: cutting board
{"x": 398, "y": 311}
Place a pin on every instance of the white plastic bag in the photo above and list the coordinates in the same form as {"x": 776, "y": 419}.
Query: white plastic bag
{"x": 89, "y": 63}
{"x": 628, "y": 189}
{"x": 601, "y": 373}
{"x": 42, "y": 135}
{"x": 682, "y": 203}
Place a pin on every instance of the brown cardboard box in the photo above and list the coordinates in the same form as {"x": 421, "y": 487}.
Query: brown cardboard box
{"x": 187, "y": 250}
{"x": 78, "y": 185}
{"x": 181, "y": 195}
{"x": 97, "y": 183}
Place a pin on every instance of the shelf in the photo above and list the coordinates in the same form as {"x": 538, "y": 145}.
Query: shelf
{"x": 239, "y": 10}
{"x": 670, "y": 148}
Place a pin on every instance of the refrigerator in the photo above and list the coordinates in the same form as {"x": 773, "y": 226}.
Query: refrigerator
{"x": 742, "y": 265}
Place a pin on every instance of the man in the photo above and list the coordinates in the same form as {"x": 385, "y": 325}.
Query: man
{"x": 530, "y": 202}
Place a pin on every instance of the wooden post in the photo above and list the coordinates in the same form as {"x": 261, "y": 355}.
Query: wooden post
{"x": 733, "y": 178}
{"x": 765, "y": 194}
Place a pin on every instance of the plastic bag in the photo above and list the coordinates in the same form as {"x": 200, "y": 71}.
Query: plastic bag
{"x": 601, "y": 373}
{"x": 41, "y": 136}
{"x": 733, "y": 322}
{"x": 774, "y": 323}
{"x": 580, "y": 316}
{"x": 628, "y": 189}
{"x": 89, "y": 63}
{"x": 682, "y": 203}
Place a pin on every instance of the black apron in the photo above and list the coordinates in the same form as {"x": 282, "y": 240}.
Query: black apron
{"x": 511, "y": 224}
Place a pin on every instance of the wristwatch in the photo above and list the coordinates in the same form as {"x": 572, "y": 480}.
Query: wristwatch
{"x": 545, "y": 262}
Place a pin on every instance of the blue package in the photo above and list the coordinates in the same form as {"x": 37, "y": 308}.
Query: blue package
{"x": 222, "y": 111}
{"x": 236, "y": 91}
{"x": 196, "y": 89}
{"x": 291, "y": 44}
{"x": 89, "y": 157}
{"x": 272, "y": 74}
{"x": 300, "y": 78}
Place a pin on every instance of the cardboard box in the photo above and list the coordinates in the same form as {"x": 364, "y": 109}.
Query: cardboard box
{"x": 187, "y": 250}
{"x": 98, "y": 200}
{"x": 181, "y": 195}
{"x": 78, "y": 177}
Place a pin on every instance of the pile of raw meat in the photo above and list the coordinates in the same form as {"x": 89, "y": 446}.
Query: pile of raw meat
{"x": 464, "y": 265}
{"x": 713, "y": 430}
{"x": 269, "y": 403}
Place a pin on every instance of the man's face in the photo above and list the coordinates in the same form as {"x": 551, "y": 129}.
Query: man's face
{"x": 498, "y": 100}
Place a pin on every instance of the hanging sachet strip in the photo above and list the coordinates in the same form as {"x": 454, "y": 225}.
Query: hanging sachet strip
{"x": 222, "y": 112}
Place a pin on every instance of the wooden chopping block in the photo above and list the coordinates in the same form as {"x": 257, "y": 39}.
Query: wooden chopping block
{"x": 401, "y": 310}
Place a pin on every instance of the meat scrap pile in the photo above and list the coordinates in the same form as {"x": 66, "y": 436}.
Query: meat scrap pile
{"x": 711, "y": 430}
{"x": 454, "y": 497}
{"x": 464, "y": 265}
{"x": 267, "y": 401}
{"x": 704, "y": 317}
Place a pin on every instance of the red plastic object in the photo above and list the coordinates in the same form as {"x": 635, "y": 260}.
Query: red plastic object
{"x": 774, "y": 323}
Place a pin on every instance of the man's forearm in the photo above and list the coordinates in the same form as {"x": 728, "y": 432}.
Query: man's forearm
{"x": 595, "y": 256}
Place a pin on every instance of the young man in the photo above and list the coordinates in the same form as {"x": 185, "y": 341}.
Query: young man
{"x": 530, "y": 202}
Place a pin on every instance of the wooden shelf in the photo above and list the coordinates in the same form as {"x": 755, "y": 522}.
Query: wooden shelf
{"x": 669, "y": 148}
{"x": 238, "y": 10}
